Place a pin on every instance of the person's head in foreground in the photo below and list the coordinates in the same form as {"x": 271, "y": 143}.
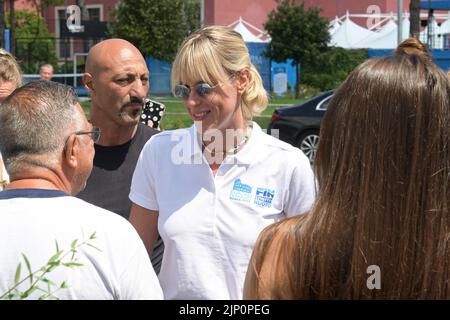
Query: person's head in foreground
{"x": 380, "y": 226}
{"x": 44, "y": 133}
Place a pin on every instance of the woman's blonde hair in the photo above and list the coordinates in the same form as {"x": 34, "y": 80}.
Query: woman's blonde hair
{"x": 214, "y": 53}
{"x": 9, "y": 68}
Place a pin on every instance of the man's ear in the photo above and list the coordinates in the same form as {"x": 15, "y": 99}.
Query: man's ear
{"x": 88, "y": 82}
{"x": 71, "y": 151}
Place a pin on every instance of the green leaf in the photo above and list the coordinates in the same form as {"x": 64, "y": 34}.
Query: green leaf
{"x": 92, "y": 246}
{"x": 72, "y": 264}
{"x": 27, "y": 293}
{"x": 17, "y": 274}
{"x": 51, "y": 266}
{"x": 55, "y": 257}
{"x": 64, "y": 285}
{"x": 73, "y": 245}
{"x": 57, "y": 246}
{"x": 93, "y": 236}
{"x": 48, "y": 281}
{"x": 27, "y": 263}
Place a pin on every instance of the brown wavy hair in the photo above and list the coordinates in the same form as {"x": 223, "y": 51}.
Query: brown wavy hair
{"x": 383, "y": 167}
{"x": 413, "y": 46}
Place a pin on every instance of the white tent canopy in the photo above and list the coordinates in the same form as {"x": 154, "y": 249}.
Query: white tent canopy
{"x": 386, "y": 37}
{"x": 351, "y": 36}
{"x": 334, "y": 25}
{"x": 241, "y": 26}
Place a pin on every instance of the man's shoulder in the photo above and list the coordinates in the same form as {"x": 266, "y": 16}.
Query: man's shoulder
{"x": 93, "y": 213}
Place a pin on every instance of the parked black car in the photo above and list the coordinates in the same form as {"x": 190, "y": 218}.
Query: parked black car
{"x": 299, "y": 125}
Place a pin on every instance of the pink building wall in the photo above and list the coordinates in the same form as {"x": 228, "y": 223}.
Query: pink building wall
{"x": 226, "y": 12}
{"x": 256, "y": 11}
{"x": 20, "y": 5}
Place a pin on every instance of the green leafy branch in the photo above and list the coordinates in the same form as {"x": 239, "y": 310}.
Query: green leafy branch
{"x": 38, "y": 280}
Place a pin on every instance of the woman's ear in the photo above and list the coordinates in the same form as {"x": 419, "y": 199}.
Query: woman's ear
{"x": 243, "y": 80}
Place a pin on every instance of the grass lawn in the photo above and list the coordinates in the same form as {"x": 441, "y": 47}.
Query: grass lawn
{"x": 176, "y": 116}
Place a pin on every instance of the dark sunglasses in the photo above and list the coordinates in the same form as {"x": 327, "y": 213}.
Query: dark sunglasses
{"x": 202, "y": 89}
{"x": 94, "y": 134}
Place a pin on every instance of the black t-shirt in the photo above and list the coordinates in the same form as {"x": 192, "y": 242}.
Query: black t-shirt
{"x": 109, "y": 184}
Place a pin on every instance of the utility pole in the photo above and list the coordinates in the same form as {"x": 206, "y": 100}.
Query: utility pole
{"x": 399, "y": 21}
{"x": 414, "y": 18}
{"x": 202, "y": 13}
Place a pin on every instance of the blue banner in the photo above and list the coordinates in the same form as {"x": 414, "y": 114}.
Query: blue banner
{"x": 7, "y": 39}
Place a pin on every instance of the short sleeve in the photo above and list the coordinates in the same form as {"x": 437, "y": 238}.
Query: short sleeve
{"x": 300, "y": 190}
{"x": 143, "y": 188}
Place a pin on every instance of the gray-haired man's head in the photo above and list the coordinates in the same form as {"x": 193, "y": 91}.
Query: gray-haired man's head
{"x": 35, "y": 122}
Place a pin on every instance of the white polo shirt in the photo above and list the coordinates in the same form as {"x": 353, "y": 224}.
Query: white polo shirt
{"x": 209, "y": 224}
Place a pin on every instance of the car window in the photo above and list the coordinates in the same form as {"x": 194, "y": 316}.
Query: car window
{"x": 322, "y": 105}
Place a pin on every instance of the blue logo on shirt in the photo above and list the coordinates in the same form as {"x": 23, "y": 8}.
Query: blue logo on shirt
{"x": 264, "y": 197}
{"x": 241, "y": 192}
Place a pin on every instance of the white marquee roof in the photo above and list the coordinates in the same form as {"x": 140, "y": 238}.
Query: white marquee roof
{"x": 243, "y": 26}
{"x": 352, "y": 36}
{"x": 349, "y": 34}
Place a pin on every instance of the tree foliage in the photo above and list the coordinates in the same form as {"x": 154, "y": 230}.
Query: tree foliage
{"x": 297, "y": 34}
{"x": 155, "y": 27}
{"x": 34, "y": 43}
{"x": 332, "y": 67}
{"x": 42, "y": 5}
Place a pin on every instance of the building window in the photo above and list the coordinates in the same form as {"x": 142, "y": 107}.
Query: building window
{"x": 94, "y": 14}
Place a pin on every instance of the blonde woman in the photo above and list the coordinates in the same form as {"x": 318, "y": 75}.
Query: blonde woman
{"x": 210, "y": 189}
{"x": 10, "y": 79}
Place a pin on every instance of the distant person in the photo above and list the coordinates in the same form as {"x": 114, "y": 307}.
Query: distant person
{"x": 10, "y": 79}
{"x": 380, "y": 228}
{"x": 46, "y": 72}
{"x": 48, "y": 145}
{"x": 117, "y": 79}
{"x": 210, "y": 189}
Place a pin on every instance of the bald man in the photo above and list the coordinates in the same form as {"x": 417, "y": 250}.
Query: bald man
{"x": 117, "y": 79}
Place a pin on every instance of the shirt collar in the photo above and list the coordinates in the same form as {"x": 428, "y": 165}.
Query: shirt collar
{"x": 245, "y": 155}
{"x": 31, "y": 193}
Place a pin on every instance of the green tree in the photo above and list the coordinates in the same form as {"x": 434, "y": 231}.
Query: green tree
{"x": 155, "y": 27}
{"x": 332, "y": 67}
{"x": 35, "y": 44}
{"x": 297, "y": 34}
{"x": 192, "y": 12}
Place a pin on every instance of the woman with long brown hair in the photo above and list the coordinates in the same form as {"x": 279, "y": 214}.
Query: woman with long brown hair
{"x": 380, "y": 226}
